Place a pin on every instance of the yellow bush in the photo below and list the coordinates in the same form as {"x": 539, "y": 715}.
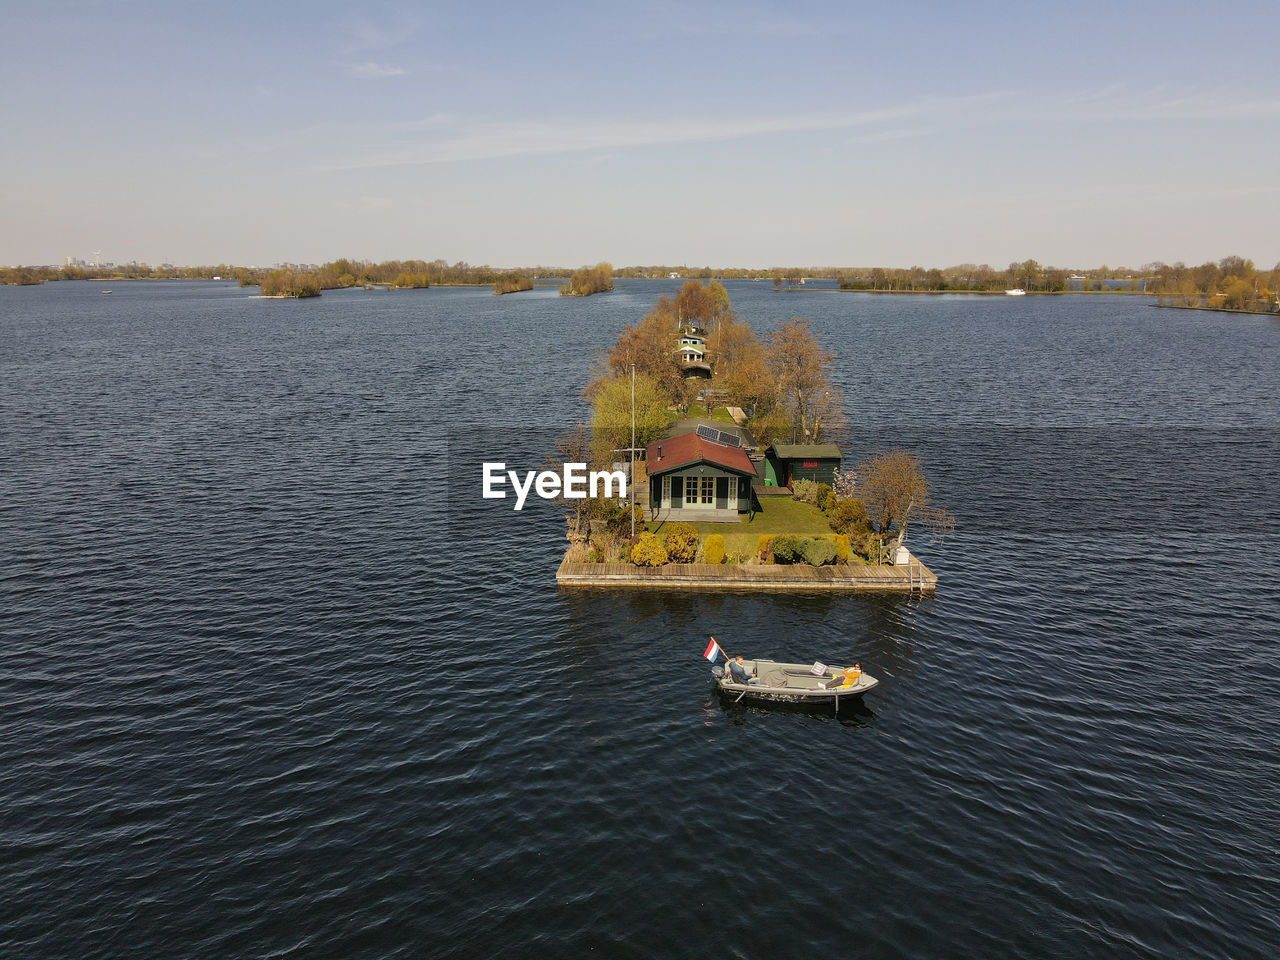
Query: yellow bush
{"x": 648, "y": 552}
{"x": 713, "y": 549}
{"x": 681, "y": 541}
{"x": 764, "y": 546}
{"x": 842, "y": 547}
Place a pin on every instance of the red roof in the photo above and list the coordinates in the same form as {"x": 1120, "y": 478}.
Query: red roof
{"x": 689, "y": 448}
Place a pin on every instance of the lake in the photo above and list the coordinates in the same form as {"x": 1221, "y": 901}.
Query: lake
{"x": 277, "y": 682}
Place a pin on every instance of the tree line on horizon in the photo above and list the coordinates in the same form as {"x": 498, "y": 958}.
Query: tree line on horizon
{"x": 1232, "y": 283}
{"x": 334, "y": 275}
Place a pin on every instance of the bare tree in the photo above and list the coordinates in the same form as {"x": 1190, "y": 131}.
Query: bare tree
{"x": 574, "y": 447}
{"x": 894, "y": 489}
{"x": 800, "y": 364}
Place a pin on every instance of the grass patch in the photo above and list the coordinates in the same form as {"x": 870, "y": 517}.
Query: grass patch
{"x": 778, "y": 515}
{"x": 718, "y": 413}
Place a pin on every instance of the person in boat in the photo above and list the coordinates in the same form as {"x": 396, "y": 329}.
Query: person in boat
{"x": 738, "y": 671}
{"x": 852, "y": 675}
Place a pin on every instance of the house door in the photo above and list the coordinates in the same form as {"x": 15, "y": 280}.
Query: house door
{"x": 666, "y": 492}
{"x": 732, "y": 502}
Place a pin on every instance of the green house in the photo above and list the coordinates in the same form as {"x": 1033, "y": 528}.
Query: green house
{"x": 787, "y": 462}
{"x": 692, "y": 477}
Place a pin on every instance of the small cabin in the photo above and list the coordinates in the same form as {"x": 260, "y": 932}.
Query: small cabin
{"x": 690, "y": 352}
{"x": 785, "y": 463}
{"x": 697, "y": 476}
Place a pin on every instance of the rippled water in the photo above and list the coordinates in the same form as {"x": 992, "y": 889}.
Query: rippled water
{"x": 274, "y": 686}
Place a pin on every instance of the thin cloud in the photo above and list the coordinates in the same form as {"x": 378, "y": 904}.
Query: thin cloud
{"x": 884, "y": 136}
{"x": 700, "y": 19}
{"x": 392, "y": 26}
{"x": 496, "y": 140}
{"x": 1115, "y": 102}
{"x": 374, "y": 71}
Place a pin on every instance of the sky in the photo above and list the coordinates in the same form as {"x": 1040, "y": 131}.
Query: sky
{"x": 720, "y": 134}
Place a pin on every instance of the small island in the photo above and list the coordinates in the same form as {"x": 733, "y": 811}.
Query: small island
{"x": 589, "y": 280}
{"x": 738, "y": 478}
{"x": 283, "y": 284}
{"x": 512, "y": 283}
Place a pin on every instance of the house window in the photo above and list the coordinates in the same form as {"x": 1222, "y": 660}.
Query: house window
{"x": 707, "y": 491}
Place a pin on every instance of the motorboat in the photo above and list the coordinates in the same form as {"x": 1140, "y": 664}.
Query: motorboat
{"x": 813, "y": 684}
{"x": 1015, "y": 292}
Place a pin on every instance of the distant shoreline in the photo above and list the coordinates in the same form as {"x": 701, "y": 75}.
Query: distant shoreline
{"x": 1183, "y": 306}
{"x": 967, "y": 293}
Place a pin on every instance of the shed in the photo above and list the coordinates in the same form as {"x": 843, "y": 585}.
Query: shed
{"x": 803, "y": 461}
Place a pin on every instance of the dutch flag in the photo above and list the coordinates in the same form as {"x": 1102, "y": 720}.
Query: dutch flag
{"x": 713, "y": 651}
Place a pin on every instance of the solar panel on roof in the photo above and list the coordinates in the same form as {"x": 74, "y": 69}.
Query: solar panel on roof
{"x": 707, "y": 433}
{"x": 729, "y": 440}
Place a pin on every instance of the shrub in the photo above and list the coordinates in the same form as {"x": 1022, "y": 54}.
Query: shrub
{"x": 578, "y": 553}
{"x": 846, "y": 483}
{"x": 787, "y": 549}
{"x": 764, "y": 547}
{"x": 871, "y": 548}
{"x": 841, "y": 543}
{"x": 713, "y": 549}
{"x": 827, "y": 502}
{"x": 611, "y": 547}
{"x": 848, "y": 515}
{"x": 615, "y": 517}
{"x": 803, "y": 490}
{"x": 818, "y": 553}
{"x": 648, "y": 552}
{"x": 820, "y": 496}
{"x": 681, "y": 541}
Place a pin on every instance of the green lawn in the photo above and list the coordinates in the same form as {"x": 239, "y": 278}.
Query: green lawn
{"x": 778, "y": 515}
{"x": 719, "y": 413}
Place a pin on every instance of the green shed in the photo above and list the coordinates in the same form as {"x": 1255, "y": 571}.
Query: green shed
{"x": 804, "y": 461}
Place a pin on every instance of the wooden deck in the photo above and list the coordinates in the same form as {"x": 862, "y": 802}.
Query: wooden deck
{"x": 693, "y": 515}
{"x": 914, "y": 576}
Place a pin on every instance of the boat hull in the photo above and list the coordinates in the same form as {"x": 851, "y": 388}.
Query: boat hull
{"x": 794, "y": 683}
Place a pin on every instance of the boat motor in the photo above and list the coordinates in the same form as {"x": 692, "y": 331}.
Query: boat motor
{"x": 717, "y": 671}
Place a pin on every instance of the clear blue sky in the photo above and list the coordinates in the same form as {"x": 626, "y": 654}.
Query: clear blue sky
{"x": 647, "y": 132}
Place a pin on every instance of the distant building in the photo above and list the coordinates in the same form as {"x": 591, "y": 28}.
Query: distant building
{"x": 691, "y": 349}
{"x": 691, "y": 353}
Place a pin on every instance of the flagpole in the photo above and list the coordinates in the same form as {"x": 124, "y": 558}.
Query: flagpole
{"x": 633, "y": 452}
